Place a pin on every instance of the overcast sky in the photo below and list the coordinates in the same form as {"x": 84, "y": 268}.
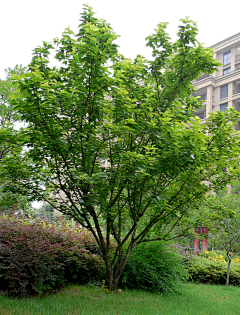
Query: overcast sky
{"x": 25, "y": 24}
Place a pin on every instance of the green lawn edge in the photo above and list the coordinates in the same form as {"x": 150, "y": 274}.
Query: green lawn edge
{"x": 194, "y": 298}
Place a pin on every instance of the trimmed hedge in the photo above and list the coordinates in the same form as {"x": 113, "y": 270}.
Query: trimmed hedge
{"x": 36, "y": 256}
{"x": 205, "y": 270}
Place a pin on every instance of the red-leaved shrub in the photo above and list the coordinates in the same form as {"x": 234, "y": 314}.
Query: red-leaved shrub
{"x": 36, "y": 256}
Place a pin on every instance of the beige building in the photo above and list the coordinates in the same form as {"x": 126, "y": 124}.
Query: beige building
{"x": 222, "y": 88}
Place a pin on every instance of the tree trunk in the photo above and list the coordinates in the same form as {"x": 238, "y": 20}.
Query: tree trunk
{"x": 228, "y": 272}
{"x": 109, "y": 278}
{"x": 113, "y": 279}
{"x": 113, "y": 274}
{"x": 116, "y": 279}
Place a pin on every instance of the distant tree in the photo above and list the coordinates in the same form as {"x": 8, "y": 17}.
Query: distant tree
{"x": 229, "y": 238}
{"x": 137, "y": 116}
{"x": 10, "y": 143}
{"x": 224, "y": 222}
{"x": 48, "y": 212}
{"x": 8, "y": 115}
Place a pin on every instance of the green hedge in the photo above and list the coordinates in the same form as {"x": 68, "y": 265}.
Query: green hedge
{"x": 204, "y": 270}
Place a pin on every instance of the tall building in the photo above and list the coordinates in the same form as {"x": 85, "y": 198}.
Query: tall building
{"x": 222, "y": 88}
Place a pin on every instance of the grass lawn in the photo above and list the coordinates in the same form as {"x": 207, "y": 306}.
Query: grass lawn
{"x": 196, "y": 299}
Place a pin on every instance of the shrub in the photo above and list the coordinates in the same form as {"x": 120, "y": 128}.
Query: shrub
{"x": 214, "y": 255}
{"x": 205, "y": 270}
{"x": 36, "y": 256}
{"x": 153, "y": 267}
{"x": 218, "y": 255}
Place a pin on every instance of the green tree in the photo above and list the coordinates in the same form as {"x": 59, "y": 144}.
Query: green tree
{"x": 116, "y": 139}
{"x": 223, "y": 215}
{"x": 10, "y": 142}
{"x": 8, "y": 117}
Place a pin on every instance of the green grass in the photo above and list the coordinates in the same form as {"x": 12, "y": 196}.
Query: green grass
{"x": 196, "y": 299}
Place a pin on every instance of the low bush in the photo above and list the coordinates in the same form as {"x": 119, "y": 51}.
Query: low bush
{"x": 205, "y": 270}
{"x": 218, "y": 255}
{"x": 36, "y": 256}
{"x": 152, "y": 267}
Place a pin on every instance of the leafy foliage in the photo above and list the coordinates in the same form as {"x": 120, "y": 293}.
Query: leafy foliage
{"x": 153, "y": 267}
{"x": 206, "y": 270}
{"x": 215, "y": 255}
{"x": 11, "y": 203}
{"x": 137, "y": 116}
{"x": 35, "y": 256}
{"x": 8, "y": 115}
{"x": 10, "y": 143}
{"x": 223, "y": 217}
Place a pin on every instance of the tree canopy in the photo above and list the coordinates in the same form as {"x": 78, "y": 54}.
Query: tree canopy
{"x": 10, "y": 142}
{"x": 116, "y": 139}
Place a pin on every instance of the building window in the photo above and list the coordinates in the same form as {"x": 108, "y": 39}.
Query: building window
{"x": 224, "y": 91}
{"x": 103, "y": 160}
{"x": 226, "y": 71}
{"x": 203, "y": 97}
{"x": 224, "y": 107}
{"x": 201, "y": 115}
{"x": 227, "y": 57}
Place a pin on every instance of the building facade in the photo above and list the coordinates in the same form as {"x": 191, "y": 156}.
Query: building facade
{"x": 222, "y": 88}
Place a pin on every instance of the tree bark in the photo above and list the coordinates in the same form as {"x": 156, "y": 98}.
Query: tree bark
{"x": 228, "y": 272}
{"x": 114, "y": 274}
{"x": 113, "y": 278}
{"x": 109, "y": 277}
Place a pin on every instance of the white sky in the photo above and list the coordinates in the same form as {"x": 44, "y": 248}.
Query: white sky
{"x": 25, "y": 24}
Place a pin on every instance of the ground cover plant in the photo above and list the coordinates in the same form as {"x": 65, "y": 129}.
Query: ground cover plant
{"x": 36, "y": 256}
{"x": 194, "y": 299}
